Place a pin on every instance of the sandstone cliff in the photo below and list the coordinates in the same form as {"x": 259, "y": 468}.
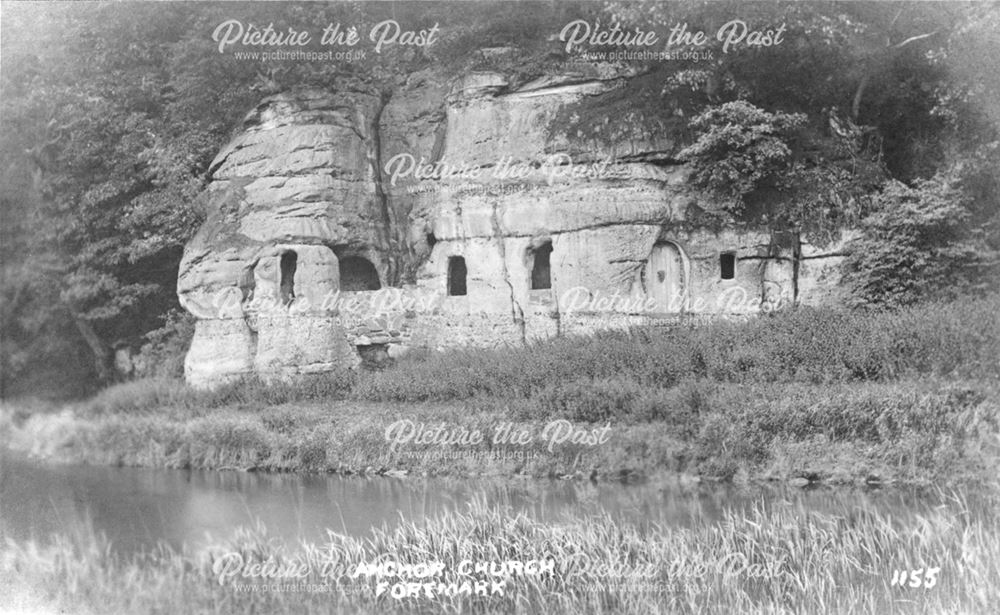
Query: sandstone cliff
{"x": 456, "y": 211}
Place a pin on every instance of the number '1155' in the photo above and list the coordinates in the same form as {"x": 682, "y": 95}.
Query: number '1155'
{"x": 915, "y": 578}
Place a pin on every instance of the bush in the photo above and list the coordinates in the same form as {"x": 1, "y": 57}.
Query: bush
{"x": 162, "y": 355}
{"x": 921, "y": 243}
{"x": 140, "y": 396}
{"x": 590, "y": 401}
{"x": 683, "y": 407}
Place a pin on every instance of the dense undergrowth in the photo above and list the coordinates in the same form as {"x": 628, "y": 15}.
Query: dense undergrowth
{"x": 819, "y": 394}
{"x": 958, "y": 340}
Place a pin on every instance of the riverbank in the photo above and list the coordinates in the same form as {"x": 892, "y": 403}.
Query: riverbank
{"x": 916, "y": 432}
{"x": 775, "y": 559}
{"x": 809, "y": 395}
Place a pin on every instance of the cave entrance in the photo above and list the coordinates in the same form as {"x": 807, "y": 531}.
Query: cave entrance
{"x": 357, "y": 274}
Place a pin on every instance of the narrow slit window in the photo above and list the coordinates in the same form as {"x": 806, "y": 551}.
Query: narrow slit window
{"x": 541, "y": 271}
{"x": 727, "y": 265}
{"x": 456, "y": 276}
{"x": 289, "y": 262}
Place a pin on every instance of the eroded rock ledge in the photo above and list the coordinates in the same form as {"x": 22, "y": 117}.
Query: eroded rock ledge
{"x": 315, "y": 256}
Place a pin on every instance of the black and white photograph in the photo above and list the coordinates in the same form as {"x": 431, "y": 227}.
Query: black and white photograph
{"x": 562, "y": 307}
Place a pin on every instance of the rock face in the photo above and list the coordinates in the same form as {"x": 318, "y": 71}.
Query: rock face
{"x": 344, "y": 226}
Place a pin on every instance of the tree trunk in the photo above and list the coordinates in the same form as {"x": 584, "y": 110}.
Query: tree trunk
{"x": 97, "y": 347}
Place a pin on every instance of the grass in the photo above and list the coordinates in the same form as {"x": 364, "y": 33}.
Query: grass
{"x": 768, "y": 559}
{"x": 914, "y": 432}
{"x": 957, "y": 340}
{"x": 954, "y": 340}
{"x": 909, "y": 396}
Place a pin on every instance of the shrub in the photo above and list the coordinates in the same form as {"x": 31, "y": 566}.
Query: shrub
{"x": 590, "y": 401}
{"x": 682, "y": 407}
{"x": 140, "y": 396}
{"x": 162, "y": 354}
{"x": 920, "y": 243}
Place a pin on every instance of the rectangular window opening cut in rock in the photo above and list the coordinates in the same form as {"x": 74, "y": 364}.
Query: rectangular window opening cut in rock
{"x": 456, "y": 276}
{"x": 727, "y": 265}
{"x": 541, "y": 272}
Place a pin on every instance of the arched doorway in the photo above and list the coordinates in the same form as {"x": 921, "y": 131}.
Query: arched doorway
{"x": 358, "y": 274}
{"x": 664, "y": 277}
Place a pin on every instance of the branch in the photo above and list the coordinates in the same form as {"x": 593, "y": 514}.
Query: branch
{"x": 856, "y": 102}
{"x": 888, "y": 38}
{"x": 859, "y": 93}
{"x": 913, "y": 39}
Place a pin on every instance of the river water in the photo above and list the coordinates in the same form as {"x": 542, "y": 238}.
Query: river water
{"x": 137, "y": 508}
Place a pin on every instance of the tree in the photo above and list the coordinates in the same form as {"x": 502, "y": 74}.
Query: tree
{"x": 940, "y": 237}
{"x": 739, "y": 148}
{"x": 106, "y": 209}
{"x": 920, "y": 244}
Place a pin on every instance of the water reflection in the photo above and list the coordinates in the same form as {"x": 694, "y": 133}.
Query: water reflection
{"x": 136, "y": 508}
